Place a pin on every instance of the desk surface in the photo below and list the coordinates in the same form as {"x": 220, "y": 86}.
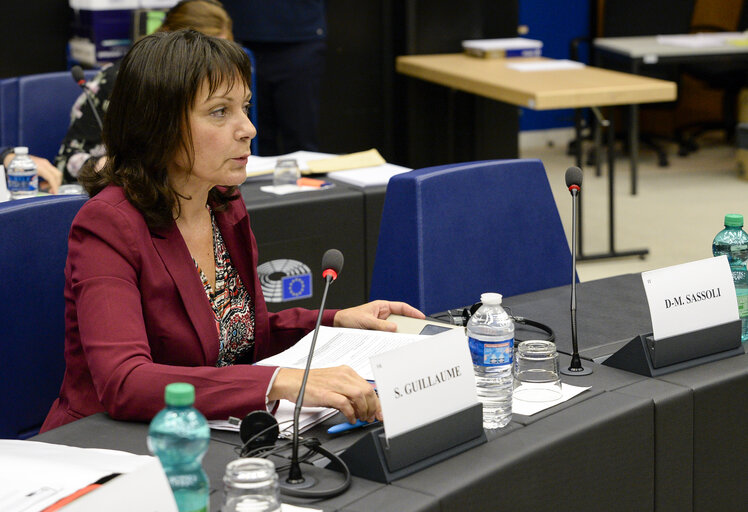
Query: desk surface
{"x": 540, "y": 90}
{"x": 675, "y": 443}
{"x": 648, "y": 48}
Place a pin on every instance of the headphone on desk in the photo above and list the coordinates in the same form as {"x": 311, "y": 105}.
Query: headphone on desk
{"x": 461, "y": 317}
{"x": 259, "y": 432}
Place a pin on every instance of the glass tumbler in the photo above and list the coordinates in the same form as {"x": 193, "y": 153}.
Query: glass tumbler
{"x": 536, "y": 377}
{"x": 286, "y": 172}
{"x": 250, "y": 485}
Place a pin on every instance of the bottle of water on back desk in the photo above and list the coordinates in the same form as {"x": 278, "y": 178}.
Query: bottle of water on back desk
{"x": 733, "y": 242}
{"x": 23, "y": 180}
{"x": 491, "y": 338}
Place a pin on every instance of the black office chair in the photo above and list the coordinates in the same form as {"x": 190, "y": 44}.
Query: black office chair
{"x": 622, "y": 18}
{"x": 720, "y": 74}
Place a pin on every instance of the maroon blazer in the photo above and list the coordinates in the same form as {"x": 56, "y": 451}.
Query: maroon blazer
{"x": 137, "y": 318}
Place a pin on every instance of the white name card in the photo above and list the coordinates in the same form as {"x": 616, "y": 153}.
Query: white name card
{"x": 690, "y": 297}
{"x": 424, "y": 381}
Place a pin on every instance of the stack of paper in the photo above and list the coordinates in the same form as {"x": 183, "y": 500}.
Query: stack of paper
{"x": 506, "y": 47}
{"x": 362, "y": 169}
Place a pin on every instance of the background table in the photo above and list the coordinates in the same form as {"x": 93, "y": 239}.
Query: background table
{"x": 546, "y": 90}
{"x": 642, "y": 54}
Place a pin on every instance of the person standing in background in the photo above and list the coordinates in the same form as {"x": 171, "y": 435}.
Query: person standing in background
{"x": 288, "y": 40}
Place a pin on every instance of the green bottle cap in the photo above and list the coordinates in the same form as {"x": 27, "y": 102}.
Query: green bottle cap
{"x": 179, "y": 394}
{"x": 733, "y": 220}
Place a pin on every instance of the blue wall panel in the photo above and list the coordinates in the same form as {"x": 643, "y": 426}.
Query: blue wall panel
{"x": 555, "y": 23}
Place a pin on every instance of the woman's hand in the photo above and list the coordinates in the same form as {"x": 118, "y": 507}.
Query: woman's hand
{"x": 372, "y": 315}
{"x": 339, "y": 387}
{"x": 44, "y": 169}
{"x": 48, "y": 172}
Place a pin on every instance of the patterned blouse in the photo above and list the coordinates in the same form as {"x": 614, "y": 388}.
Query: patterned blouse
{"x": 83, "y": 139}
{"x": 233, "y": 308}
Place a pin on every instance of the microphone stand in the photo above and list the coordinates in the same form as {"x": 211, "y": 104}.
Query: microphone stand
{"x": 81, "y": 81}
{"x": 295, "y": 484}
{"x": 294, "y": 473}
{"x": 575, "y": 368}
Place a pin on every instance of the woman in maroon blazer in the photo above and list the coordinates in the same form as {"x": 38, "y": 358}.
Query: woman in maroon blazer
{"x": 161, "y": 278}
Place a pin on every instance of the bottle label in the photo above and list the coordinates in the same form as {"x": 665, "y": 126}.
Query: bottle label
{"x": 743, "y": 305}
{"x": 491, "y": 353}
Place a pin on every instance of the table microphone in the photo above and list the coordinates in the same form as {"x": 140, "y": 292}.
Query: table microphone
{"x": 574, "y": 183}
{"x": 295, "y": 484}
{"x": 80, "y": 79}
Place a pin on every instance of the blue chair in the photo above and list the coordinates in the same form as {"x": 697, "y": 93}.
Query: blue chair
{"x": 35, "y": 111}
{"x": 34, "y": 234}
{"x": 452, "y": 232}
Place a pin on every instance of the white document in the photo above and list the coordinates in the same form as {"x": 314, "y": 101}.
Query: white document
{"x": 309, "y": 417}
{"x": 529, "y": 408}
{"x": 700, "y": 40}
{"x": 690, "y": 297}
{"x": 4, "y": 193}
{"x": 369, "y": 176}
{"x": 424, "y": 381}
{"x": 337, "y": 346}
{"x": 35, "y": 475}
{"x": 259, "y": 165}
{"x": 545, "y": 65}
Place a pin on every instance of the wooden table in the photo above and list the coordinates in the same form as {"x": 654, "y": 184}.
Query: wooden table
{"x": 585, "y": 87}
{"x": 540, "y": 90}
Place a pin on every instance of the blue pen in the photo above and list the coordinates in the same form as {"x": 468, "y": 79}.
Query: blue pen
{"x": 344, "y": 427}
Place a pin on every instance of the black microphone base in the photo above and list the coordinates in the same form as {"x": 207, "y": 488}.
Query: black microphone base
{"x": 575, "y": 371}
{"x": 320, "y": 480}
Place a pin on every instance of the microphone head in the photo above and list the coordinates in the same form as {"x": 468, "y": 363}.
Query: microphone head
{"x": 574, "y": 177}
{"x": 77, "y": 73}
{"x": 332, "y": 263}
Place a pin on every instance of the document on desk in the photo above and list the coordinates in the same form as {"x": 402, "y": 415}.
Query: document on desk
{"x": 701, "y": 39}
{"x": 336, "y": 346}
{"x": 36, "y": 475}
{"x": 545, "y": 65}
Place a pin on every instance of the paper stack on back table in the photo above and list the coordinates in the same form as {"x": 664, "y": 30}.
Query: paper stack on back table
{"x": 361, "y": 169}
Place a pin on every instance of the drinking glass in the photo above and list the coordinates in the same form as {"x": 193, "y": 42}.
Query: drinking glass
{"x": 536, "y": 377}
{"x": 251, "y": 484}
{"x": 286, "y": 172}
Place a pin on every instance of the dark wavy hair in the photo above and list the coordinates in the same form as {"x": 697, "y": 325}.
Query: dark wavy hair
{"x": 147, "y": 122}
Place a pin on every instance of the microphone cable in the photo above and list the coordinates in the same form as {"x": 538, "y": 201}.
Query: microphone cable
{"x": 461, "y": 316}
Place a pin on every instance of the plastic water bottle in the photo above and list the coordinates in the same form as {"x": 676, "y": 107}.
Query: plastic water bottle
{"x": 23, "y": 180}
{"x": 491, "y": 338}
{"x": 179, "y": 437}
{"x": 733, "y": 242}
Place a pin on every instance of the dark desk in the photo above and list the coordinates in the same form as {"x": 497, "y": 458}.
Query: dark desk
{"x": 675, "y": 443}
{"x": 700, "y": 420}
{"x": 303, "y": 226}
{"x": 587, "y": 443}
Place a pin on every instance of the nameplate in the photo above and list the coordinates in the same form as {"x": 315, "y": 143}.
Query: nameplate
{"x": 690, "y": 297}
{"x": 424, "y": 381}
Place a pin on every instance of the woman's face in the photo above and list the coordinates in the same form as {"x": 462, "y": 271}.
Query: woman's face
{"x": 221, "y": 136}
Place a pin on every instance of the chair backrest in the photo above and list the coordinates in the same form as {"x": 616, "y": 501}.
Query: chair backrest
{"x": 34, "y": 234}
{"x": 451, "y": 232}
{"x": 620, "y": 18}
{"x": 35, "y": 111}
